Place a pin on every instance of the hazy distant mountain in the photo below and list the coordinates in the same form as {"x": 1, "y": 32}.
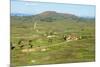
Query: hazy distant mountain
{"x": 20, "y": 14}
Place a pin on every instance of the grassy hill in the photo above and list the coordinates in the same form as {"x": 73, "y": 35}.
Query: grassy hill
{"x": 38, "y": 27}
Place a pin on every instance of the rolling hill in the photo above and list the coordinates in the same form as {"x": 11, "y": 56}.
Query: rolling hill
{"x": 47, "y": 16}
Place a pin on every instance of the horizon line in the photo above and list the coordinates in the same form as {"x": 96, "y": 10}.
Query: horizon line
{"x": 27, "y": 14}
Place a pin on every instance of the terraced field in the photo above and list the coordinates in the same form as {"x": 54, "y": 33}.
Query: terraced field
{"x": 52, "y": 50}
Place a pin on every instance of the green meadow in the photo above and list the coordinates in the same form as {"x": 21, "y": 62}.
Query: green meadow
{"x": 52, "y": 50}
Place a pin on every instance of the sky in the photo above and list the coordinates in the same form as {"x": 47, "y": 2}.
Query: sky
{"x": 26, "y": 7}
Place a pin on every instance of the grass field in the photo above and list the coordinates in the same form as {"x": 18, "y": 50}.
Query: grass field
{"x": 56, "y": 51}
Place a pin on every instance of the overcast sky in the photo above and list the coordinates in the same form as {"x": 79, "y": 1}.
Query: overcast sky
{"x": 33, "y": 8}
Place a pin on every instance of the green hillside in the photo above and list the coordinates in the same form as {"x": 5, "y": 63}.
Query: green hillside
{"x": 36, "y": 31}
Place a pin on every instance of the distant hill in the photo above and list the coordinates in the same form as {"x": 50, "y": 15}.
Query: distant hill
{"x": 20, "y": 14}
{"x": 54, "y": 13}
{"x": 50, "y": 16}
{"x": 47, "y": 16}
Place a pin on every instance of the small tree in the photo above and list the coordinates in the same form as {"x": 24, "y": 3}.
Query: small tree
{"x": 30, "y": 43}
{"x": 21, "y": 43}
